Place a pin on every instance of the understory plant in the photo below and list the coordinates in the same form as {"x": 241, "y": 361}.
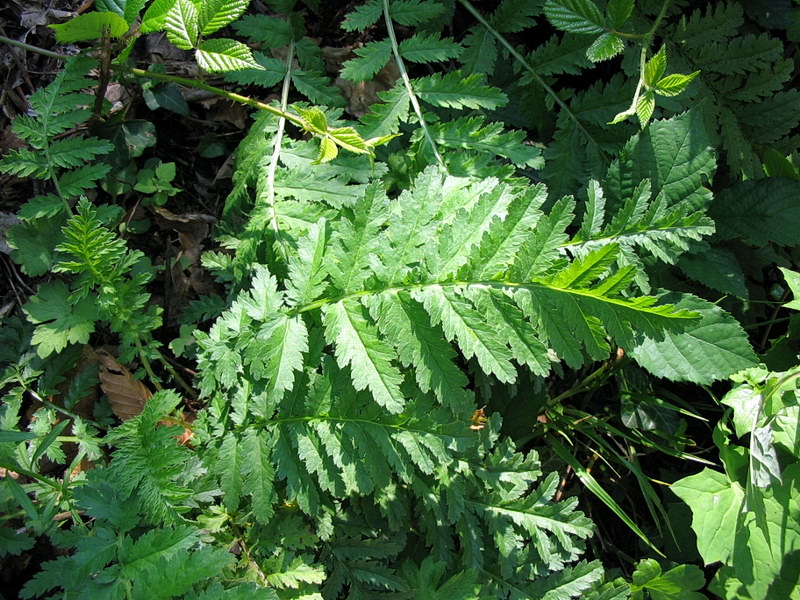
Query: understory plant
{"x": 420, "y": 290}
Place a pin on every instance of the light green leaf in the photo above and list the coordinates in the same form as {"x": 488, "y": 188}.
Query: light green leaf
{"x": 674, "y": 84}
{"x": 793, "y": 281}
{"x": 349, "y": 139}
{"x": 655, "y": 67}
{"x": 606, "y": 46}
{"x": 327, "y": 151}
{"x": 277, "y": 353}
{"x": 220, "y": 55}
{"x": 710, "y": 349}
{"x": 314, "y": 120}
{"x": 645, "y": 107}
{"x": 679, "y": 583}
{"x": 575, "y": 16}
{"x": 181, "y": 24}
{"x": 216, "y": 14}
{"x": 715, "y": 502}
{"x": 90, "y": 26}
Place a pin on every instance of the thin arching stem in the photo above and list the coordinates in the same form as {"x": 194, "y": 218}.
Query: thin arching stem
{"x": 276, "y": 154}
{"x": 407, "y": 83}
{"x": 527, "y": 66}
{"x": 185, "y": 81}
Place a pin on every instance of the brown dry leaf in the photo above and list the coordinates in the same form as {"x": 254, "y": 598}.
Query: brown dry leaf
{"x": 478, "y": 420}
{"x": 126, "y": 395}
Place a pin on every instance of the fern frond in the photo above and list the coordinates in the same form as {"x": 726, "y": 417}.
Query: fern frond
{"x": 452, "y": 90}
{"x": 148, "y": 460}
{"x": 421, "y": 48}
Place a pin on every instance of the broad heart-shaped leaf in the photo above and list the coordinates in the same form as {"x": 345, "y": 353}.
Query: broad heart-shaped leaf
{"x": 221, "y": 55}
{"x": 757, "y": 566}
{"x": 575, "y": 16}
{"x": 715, "y": 502}
{"x": 181, "y": 23}
{"x": 59, "y": 321}
{"x": 90, "y": 26}
{"x": 710, "y": 349}
{"x": 674, "y": 154}
{"x": 759, "y": 212}
{"x": 215, "y": 14}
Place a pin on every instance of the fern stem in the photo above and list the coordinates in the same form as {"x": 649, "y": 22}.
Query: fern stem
{"x": 146, "y": 364}
{"x": 536, "y": 77}
{"x": 407, "y": 83}
{"x": 276, "y": 154}
{"x": 62, "y": 410}
{"x": 174, "y": 374}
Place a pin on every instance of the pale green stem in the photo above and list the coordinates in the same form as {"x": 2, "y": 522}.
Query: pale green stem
{"x": 276, "y": 154}
{"x": 407, "y": 83}
{"x": 648, "y": 39}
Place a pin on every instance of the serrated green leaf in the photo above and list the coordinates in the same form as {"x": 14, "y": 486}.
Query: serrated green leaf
{"x": 606, "y": 46}
{"x": 453, "y": 91}
{"x": 655, "y": 67}
{"x": 370, "y": 59}
{"x": 314, "y": 119}
{"x": 181, "y": 24}
{"x": 221, "y": 55}
{"x": 369, "y": 357}
{"x": 421, "y": 48}
{"x": 645, "y": 107}
{"x": 414, "y": 12}
{"x": 327, "y": 151}
{"x": 216, "y": 14}
{"x": 272, "y": 32}
{"x": 363, "y": 16}
{"x": 575, "y": 16}
{"x": 713, "y": 348}
{"x": 674, "y": 84}
{"x": 90, "y": 26}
